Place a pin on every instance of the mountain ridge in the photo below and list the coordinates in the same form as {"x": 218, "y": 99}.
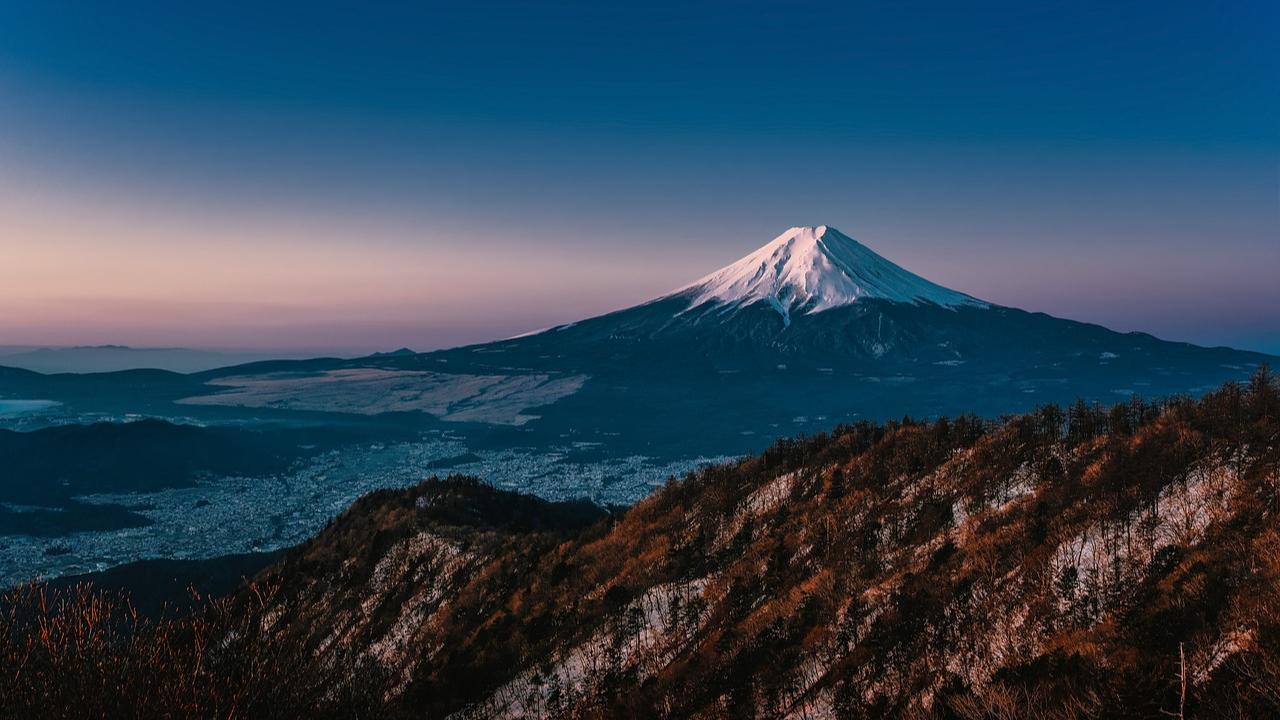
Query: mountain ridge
{"x": 883, "y": 570}
{"x": 1072, "y": 563}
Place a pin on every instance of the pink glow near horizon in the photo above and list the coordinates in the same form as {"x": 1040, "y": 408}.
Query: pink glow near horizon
{"x": 106, "y": 269}
{"x": 92, "y": 274}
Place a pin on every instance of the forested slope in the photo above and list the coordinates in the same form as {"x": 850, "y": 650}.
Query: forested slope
{"x": 1088, "y": 562}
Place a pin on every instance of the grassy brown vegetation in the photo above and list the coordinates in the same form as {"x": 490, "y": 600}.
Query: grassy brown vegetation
{"x": 82, "y": 653}
{"x": 1078, "y": 562}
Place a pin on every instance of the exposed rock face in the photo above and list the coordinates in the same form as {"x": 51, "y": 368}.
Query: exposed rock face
{"x": 1056, "y": 563}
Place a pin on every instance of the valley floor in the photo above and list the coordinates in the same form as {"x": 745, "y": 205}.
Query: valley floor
{"x": 224, "y": 515}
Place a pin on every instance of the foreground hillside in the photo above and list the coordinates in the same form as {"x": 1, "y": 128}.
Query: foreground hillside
{"x": 1080, "y": 563}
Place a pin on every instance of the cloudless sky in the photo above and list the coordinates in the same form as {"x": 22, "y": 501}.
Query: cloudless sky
{"x": 371, "y": 175}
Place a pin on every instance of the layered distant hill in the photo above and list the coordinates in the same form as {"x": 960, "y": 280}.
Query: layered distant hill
{"x": 1078, "y": 562}
{"x": 111, "y": 358}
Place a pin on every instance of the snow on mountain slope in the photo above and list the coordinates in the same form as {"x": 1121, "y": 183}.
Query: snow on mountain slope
{"x": 811, "y": 269}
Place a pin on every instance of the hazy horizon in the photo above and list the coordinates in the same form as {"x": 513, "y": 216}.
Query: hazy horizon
{"x": 429, "y": 177}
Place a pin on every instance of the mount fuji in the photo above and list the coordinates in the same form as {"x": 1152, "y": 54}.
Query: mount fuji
{"x": 808, "y": 331}
{"x": 815, "y": 328}
{"x": 811, "y": 269}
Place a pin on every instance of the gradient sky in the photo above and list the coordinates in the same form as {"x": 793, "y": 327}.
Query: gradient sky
{"x": 328, "y": 175}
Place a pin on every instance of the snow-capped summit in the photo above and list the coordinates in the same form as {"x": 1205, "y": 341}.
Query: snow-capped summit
{"x": 811, "y": 269}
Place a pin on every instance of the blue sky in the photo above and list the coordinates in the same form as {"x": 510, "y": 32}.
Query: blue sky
{"x": 360, "y": 175}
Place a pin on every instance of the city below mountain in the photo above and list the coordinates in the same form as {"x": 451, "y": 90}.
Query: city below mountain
{"x": 1092, "y": 562}
{"x": 895, "y": 563}
{"x": 1083, "y": 563}
{"x": 811, "y": 330}
{"x": 477, "y": 388}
